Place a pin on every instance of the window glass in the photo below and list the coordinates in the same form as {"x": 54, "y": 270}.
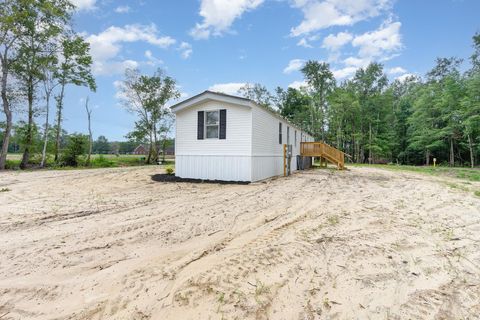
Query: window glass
{"x": 212, "y": 132}
{"x": 211, "y": 124}
{"x": 212, "y": 117}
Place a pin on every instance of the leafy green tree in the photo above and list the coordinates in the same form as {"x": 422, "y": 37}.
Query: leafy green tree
{"x": 43, "y": 23}
{"x": 343, "y": 117}
{"x": 75, "y": 69}
{"x": 403, "y": 94}
{"x": 12, "y": 18}
{"x": 321, "y": 82}
{"x": 258, "y": 93}
{"x": 147, "y": 96}
{"x": 294, "y": 105}
{"x": 370, "y": 83}
{"x": 448, "y": 87}
{"x": 126, "y": 147}
{"x": 470, "y": 104}
{"x": 101, "y": 145}
{"x": 49, "y": 85}
{"x": 76, "y": 147}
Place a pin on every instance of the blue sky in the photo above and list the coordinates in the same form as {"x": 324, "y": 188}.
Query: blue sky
{"x": 222, "y": 44}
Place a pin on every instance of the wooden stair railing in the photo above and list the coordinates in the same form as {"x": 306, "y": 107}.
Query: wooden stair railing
{"x": 321, "y": 149}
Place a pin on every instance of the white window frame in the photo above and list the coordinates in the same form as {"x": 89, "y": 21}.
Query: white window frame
{"x": 205, "y": 125}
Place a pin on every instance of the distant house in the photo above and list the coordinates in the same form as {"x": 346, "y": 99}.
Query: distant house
{"x": 141, "y": 150}
{"x": 224, "y": 137}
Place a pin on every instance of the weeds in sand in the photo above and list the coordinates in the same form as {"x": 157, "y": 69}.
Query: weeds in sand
{"x": 457, "y": 186}
{"x": 5, "y": 190}
{"x": 261, "y": 289}
{"x": 182, "y": 299}
{"x": 448, "y": 234}
{"x": 169, "y": 170}
{"x": 221, "y": 298}
{"x": 477, "y": 193}
{"x": 326, "y": 303}
{"x": 333, "y": 220}
{"x": 400, "y": 204}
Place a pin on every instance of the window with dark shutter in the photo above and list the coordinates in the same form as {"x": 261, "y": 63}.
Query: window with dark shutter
{"x": 280, "y": 133}
{"x": 223, "y": 124}
{"x": 200, "y": 122}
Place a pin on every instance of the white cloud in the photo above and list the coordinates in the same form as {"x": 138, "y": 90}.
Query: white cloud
{"x": 228, "y": 88}
{"x": 403, "y": 77}
{"x": 294, "y": 65}
{"x": 113, "y": 67}
{"x": 298, "y": 84}
{"x": 151, "y": 59}
{"x": 321, "y": 14}
{"x": 357, "y": 62}
{"x": 381, "y": 45}
{"x": 84, "y": 5}
{"x": 105, "y": 46}
{"x": 378, "y": 43}
{"x": 396, "y": 70}
{"x": 122, "y": 9}
{"x": 219, "y": 15}
{"x": 304, "y": 43}
{"x": 346, "y": 72}
{"x": 186, "y": 50}
{"x": 335, "y": 42}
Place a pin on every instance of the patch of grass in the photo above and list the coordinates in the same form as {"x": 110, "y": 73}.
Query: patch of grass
{"x": 468, "y": 174}
{"x": 477, "y": 193}
{"x": 457, "y": 186}
{"x": 5, "y": 190}
{"x": 96, "y": 161}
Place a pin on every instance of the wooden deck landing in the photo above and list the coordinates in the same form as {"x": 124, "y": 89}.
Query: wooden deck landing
{"x": 325, "y": 151}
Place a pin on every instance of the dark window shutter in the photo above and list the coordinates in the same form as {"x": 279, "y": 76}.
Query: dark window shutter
{"x": 280, "y": 133}
{"x": 223, "y": 124}
{"x": 200, "y": 124}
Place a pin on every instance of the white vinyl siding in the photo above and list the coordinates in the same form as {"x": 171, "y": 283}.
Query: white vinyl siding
{"x": 267, "y": 153}
{"x": 214, "y": 159}
{"x": 239, "y": 133}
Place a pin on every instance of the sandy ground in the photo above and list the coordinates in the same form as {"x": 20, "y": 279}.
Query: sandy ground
{"x": 358, "y": 244}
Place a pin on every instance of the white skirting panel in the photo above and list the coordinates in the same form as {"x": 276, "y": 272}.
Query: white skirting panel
{"x": 269, "y": 166}
{"x": 227, "y": 168}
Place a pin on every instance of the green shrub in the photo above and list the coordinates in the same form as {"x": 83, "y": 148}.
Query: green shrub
{"x": 12, "y": 164}
{"x": 169, "y": 170}
{"x": 76, "y": 147}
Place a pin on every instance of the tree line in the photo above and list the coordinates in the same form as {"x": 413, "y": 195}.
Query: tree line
{"x": 407, "y": 121}
{"x": 41, "y": 56}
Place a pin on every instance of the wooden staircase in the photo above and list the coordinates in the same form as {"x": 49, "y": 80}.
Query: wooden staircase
{"x": 325, "y": 151}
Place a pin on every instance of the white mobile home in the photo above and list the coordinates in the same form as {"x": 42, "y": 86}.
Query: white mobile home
{"x": 224, "y": 137}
